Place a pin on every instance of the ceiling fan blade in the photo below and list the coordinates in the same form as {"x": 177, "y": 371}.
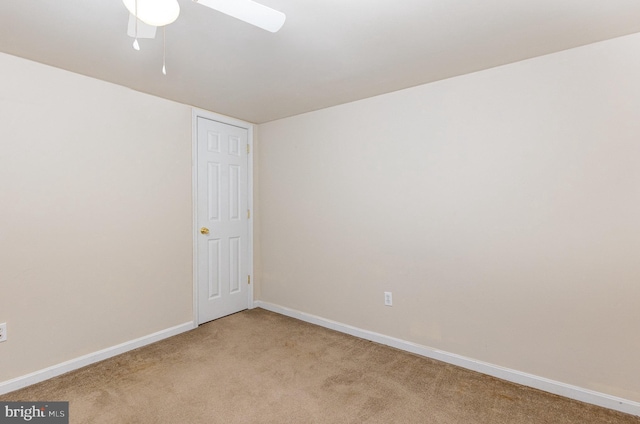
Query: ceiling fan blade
{"x": 248, "y": 11}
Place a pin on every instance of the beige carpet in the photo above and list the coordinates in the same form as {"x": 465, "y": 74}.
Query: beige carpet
{"x": 261, "y": 367}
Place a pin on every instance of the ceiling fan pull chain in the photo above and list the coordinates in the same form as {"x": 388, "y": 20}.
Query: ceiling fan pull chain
{"x": 164, "y": 50}
{"x": 136, "y": 46}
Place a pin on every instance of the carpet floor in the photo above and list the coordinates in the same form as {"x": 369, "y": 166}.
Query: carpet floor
{"x": 261, "y": 367}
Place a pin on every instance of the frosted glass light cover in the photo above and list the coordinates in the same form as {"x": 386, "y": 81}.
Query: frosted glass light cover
{"x": 154, "y": 12}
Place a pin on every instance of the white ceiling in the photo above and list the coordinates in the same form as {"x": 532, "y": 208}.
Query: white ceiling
{"x": 328, "y": 52}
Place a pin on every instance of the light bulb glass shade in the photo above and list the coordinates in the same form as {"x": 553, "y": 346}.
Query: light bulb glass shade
{"x": 154, "y": 12}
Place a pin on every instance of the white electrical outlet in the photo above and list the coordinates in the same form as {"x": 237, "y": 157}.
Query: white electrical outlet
{"x": 3, "y": 332}
{"x": 388, "y": 299}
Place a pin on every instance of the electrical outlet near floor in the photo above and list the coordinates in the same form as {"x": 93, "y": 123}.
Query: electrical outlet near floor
{"x": 388, "y": 299}
{"x": 3, "y": 332}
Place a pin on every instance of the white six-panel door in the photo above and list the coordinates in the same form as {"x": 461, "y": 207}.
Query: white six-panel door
{"x": 222, "y": 219}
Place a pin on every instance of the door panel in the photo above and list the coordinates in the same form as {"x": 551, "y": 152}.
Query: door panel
{"x": 222, "y": 256}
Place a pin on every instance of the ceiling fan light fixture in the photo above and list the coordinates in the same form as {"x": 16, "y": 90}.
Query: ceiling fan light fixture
{"x": 154, "y": 12}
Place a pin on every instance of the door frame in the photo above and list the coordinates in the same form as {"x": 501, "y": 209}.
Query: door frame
{"x": 200, "y": 113}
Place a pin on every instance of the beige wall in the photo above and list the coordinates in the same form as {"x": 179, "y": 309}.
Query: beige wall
{"x": 501, "y": 208}
{"x": 257, "y": 257}
{"x": 95, "y": 215}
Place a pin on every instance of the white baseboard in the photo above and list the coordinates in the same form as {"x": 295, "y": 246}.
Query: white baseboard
{"x": 91, "y": 358}
{"x": 530, "y": 380}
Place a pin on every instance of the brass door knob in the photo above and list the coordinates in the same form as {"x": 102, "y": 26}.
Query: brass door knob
{"x": 204, "y": 230}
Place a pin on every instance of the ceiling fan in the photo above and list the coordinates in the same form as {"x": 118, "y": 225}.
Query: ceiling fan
{"x": 163, "y": 12}
{"x": 147, "y": 15}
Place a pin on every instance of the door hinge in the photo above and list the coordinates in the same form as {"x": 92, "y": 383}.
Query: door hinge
{"x": 248, "y": 149}
{"x": 248, "y": 213}
{"x": 248, "y": 279}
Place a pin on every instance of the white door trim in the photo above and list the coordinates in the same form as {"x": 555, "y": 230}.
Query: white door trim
{"x": 199, "y": 113}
